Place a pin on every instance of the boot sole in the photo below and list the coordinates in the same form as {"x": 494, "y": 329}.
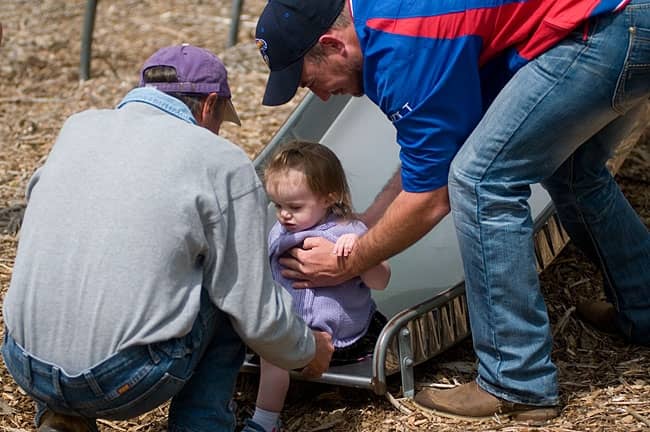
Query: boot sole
{"x": 540, "y": 415}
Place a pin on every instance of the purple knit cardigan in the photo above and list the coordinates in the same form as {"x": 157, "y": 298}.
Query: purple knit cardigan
{"x": 344, "y": 310}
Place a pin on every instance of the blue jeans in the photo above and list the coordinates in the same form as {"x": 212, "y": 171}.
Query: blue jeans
{"x": 197, "y": 371}
{"x": 556, "y": 122}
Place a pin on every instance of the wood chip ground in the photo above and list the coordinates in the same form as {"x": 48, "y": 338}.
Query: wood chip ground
{"x": 604, "y": 383}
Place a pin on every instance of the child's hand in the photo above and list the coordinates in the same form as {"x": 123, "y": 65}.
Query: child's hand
{"x": 345, "y": 244}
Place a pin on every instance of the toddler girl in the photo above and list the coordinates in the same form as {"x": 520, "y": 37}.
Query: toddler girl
{"x": 307, "y": 184}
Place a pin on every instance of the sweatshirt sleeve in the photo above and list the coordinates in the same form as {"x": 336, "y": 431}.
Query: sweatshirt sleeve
{"x": 239, "y": 279}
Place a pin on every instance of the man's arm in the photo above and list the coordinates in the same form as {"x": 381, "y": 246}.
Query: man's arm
{"x": 409, "y": 217}
{"x": 238, "y": 277}
{"x": 383, "y": 199}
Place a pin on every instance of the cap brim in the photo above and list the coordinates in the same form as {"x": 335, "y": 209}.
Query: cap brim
{"x": 283, "y": 84}
{"x": 230, "y": 114}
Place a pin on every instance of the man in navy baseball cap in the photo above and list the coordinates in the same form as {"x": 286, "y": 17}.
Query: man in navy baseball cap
{"x": 487, "y": 99}
{"x": 286, "y": 31}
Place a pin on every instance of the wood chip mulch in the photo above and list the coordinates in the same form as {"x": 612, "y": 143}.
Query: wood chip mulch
{"x": 604, "y": 383}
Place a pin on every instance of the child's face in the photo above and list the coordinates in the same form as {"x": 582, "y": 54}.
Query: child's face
{"x": 296, "y": 206}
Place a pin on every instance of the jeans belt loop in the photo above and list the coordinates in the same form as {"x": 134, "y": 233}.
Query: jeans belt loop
{"x": 153, "y": 354}
{"x": 27, "y": 365}
{"x": 93, "y": 384}
{"x": 56, "y": 383}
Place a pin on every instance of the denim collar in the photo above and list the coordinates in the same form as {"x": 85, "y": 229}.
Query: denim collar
{"x": 160, "y": 100}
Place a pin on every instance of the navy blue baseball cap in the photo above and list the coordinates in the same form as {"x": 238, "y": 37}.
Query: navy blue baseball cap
{"x": 286, "y": 31}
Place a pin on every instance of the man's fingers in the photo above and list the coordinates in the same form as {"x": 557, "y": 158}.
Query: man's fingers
{"x": 298, "y": 278}
{"x": 322, "y": 355}
{"x": 309, "y": 372}
{"x": 302, "y": 285}
{"x": 293, "y": 254}
{"x": 292, "y": 262}
{"x": 312, "y": 242}
{"x": 293, "y": 274}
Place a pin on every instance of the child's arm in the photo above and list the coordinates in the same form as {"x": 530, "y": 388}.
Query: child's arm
{"x": 345, "y": 244}
{"x": 377, "y": 277}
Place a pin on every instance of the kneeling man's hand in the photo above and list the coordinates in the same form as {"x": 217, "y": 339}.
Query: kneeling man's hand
{"x": 322, "y": 357}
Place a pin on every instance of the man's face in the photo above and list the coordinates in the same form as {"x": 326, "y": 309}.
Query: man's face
{"x": 334, "y": 74}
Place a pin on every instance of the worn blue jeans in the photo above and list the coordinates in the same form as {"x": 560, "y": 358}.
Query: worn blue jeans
{"x": 197, "y": 372}
{"x": 555, "y": 123}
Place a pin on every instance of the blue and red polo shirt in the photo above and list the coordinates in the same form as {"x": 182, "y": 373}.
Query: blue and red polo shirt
{"x": 433, "y": 67}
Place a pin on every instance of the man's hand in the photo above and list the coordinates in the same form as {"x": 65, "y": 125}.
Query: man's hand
{"x": 314, "y": 265}
{"x": 322, "y": 356}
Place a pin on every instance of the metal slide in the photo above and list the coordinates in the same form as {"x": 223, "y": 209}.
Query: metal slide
{"x": 425, "y": 300}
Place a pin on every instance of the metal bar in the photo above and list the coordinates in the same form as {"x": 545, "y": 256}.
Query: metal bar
{"x": 87, "y": 39}
{"x": 406, "y": 363}
{"x": 356, "y": 375}
{"x": 402, "y": 319}
{"x": 234, "y": 21}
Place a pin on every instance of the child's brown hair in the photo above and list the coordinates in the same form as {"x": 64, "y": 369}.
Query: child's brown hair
{"x": 322, "y": 169}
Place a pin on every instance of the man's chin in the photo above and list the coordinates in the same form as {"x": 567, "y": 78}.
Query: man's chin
{"x": 360, "y": 90}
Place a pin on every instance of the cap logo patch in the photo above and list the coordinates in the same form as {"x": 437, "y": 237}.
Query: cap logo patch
{"x": 263, "y": 47}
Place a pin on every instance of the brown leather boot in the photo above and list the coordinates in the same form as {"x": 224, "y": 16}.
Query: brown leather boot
{"x": 470, "y": 402}
{"x": 601, "y": 315}
{"x": 53, "y": 422}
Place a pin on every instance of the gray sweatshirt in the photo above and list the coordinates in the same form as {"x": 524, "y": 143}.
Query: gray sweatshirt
{"x": 136, "y": 211}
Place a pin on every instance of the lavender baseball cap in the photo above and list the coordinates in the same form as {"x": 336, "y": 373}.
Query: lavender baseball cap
{"x": 198, "y": 71}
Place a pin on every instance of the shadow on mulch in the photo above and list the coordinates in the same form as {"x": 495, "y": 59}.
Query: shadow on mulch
{"x": 11, "y": 219}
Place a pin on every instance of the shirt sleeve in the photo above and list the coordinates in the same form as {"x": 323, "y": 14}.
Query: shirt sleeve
{"x": 430, "y": 89}
{"x": 239, "y": 280}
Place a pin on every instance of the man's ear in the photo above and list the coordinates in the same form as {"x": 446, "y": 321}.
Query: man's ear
{"x": 332, "y": 43}
{"x": 209, "y": 105}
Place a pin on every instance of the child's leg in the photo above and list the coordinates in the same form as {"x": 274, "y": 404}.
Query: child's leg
{"x": 274, "y": 384}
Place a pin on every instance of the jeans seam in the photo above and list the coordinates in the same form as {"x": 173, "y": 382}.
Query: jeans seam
{"x": 580, "y": 214}
{"x": 620, "y": 82}
{"x": 487, "y": 285}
